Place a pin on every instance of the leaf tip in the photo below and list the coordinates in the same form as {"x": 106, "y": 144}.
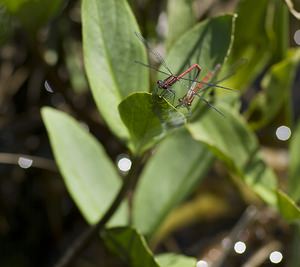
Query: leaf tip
{"x": 49, "y": 113}
{"x": 45, "y": 111}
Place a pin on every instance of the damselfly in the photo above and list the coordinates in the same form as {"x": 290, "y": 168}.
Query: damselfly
{"x": 166, "y": 84}
{"x": 196, "y": 86}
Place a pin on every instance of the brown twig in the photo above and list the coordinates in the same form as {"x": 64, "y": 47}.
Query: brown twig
{"x": 248, "y": 216}
{"x": 291, "y": 8}
{"x": 38, "y": 162}
{"x": 87, "y": 236}
{"x": 259, "y": 257}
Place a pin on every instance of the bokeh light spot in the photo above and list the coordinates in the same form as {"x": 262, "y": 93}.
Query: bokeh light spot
{"x": 25, "y": 163}
{"x": 283, "y": 133}
{"x": 240, "y": 247}
{"x": 124, "y": 164}
{"x": 275, "y": 257}
{"x": 202, "y": 263}
{"x": 297, "y": 37}
{"x": 48, "y": 87}
{"x": 51, "y": 57}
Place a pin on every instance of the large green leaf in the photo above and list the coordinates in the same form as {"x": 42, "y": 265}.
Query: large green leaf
{"x": 89, "y": 174}
{"x": 207, "y": 44}
{"x": 250, "y": 42}
{"x": 13, "y": 5}
{"x": 287, "y": 207}
{"x": 294, "y": 168}
{"x": 180, "y": 19}
{"x": 278, "y": 29}
{"x": 276, "y": 86}
{"x": 148, "y": 119}
{"x": 231, "y": 140}
{"x": 262, "y": 40}
{"x": 110, "y": 48}
{"x": 169, "y": 176}
{"x": 129, "y": 246}
{"x": 33, "y": 13}
{"x": 175, "y": 260}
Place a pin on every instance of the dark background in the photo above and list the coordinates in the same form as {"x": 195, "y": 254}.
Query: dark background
{"x": 38, "y": 220}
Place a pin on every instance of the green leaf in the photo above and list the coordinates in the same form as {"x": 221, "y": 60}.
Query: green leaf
{"x": 181, "y": 18}
{"x": 129, "y": 246}
{"x": 169, "y": 176}
{"x": 262, "y": 40}
{"x": 6, "y": 25}
{"x": 250, "y": 42}
{"x": 278, "y": 29}
{"x": 287, "y": 207}
{"x": 294, "y": 255}
{"x": 13, "y": 5}
{"x": 207, "y": 44}
{"x": 110, "y": 48}
{"x": 294, "y": 167}
{"x": 276, "y": 86}
{"x": 89, "y": 174}
{"x": 33, "y": 13}
{"x": 245, "y": 12}
{"x": 291, "y": 213}
{"x": 148, "y": 119}
{"x": 175, "y": 260}
{"x": 231, "y": 140}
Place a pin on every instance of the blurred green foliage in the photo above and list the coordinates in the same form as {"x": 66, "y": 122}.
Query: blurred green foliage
{"x": 173, "y": 152}
{"x": 41, "y": 12}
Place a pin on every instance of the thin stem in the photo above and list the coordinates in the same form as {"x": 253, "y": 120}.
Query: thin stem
{"x": 260, "y": 256}
{"x": 294, "y": 12}
{"x": 38, "y": 162}
{"x": 87, "y": 236}
{"x": 248, "y": 216}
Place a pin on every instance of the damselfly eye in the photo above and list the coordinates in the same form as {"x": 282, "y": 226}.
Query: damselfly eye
{"x": 160, "y": 83}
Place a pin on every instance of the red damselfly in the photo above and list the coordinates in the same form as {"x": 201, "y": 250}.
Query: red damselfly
{"x": 166, "y": 84}
{"x": 187, "y": 100}
{"x": 197, "y": 88}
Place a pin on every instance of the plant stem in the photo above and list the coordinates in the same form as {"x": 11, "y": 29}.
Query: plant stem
{"x": 86, "y": 237}
{"x": 37, "y": 162}
{"x": 293, "y": 11}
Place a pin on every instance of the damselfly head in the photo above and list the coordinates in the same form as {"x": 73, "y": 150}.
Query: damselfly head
{"x": 182, "y": 102}
{"x": 161, "y": 84}
{"x": 218, "y": 67}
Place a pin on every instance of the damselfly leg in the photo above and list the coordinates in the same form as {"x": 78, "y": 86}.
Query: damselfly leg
{"x": 187, "y": 100}
{"x": 167, "y": 83}
{"x": 165, "y": 86}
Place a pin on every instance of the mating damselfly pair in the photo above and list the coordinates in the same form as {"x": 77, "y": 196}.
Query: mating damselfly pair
{"x": 196, "y": 87}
